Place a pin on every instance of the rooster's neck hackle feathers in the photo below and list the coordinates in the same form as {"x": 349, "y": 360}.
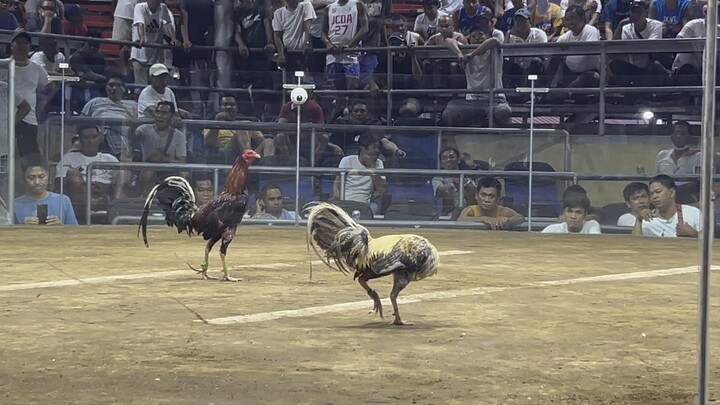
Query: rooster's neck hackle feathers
{"x": 237, "y": 178}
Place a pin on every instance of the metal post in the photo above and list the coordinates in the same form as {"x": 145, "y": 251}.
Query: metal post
{"x": 532, "y": 90}
{"x": 603, "y": 79}
{"x": 216, "y": 181}
{"x": 389, "y": 85}
{"x": 461, "y": 191}
{"x": 706, "y": 203}
{"x": 11, "y": 141}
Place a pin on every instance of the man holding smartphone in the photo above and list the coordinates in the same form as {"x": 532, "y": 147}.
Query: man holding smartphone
{"x": 38, "y": 206}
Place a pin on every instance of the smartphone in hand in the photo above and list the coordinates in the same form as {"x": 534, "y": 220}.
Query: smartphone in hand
{"x": 42, "y": 213}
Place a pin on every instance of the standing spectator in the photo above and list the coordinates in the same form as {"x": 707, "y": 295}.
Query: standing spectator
{"x": 581, "y": 70}
{"x": 89, "y": 64}
{"x": 253, "y": 29}
{"x": 576, "y": 208}
{"x": 8, "y": 21}
{"x": 22, "y": 108}
{"x": 291, "y": 25}
{"x": 487, "y": 210}
{"x": 480, "y": 75}
{"x": 74, "y": 23}
{"x": 613, "y": 12}
{"x": 637, "y": 198}
{"x": 152, "y": 20}
{"x": 49, "y": 56}
{"x": 444, "y": 70}
{"x": 117, "y": 134}
{"x": 638, "y": 70}
{"x": 29, "y": 77}
{"x": 427, "y": 22}
{"x": 672, "y": 13}
{"x": 683, "y": 160}
{"x": 377, "y": 12}
{"x": 161, "y": 143}
{"x": 669, "y": 219}
{"x": 363, "y": 188}
{"x": 517, "y": 69}
{"x": 36, "y": 177}
{"x": 73, "y": 171}
{"x": 687, "y": 67}
{"x": 123, "y": 15}
{"x": 346, "y": 24}
{"x": 47, "y": 19}
{"x": 198, "y": 18}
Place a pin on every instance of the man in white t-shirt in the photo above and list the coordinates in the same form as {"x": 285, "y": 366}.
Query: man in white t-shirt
{"x": 426, "y": 24}
{"x": 580, "y": 70}
{"x": 73, "y": 170}
{"x": 517, "y": 69}
{"x": 687, "y": 67}
{"x": 575, "y": 212}
{"x": 637, "y": 198}
{"x": 638, "y": 69}
{"x": 669, "y": 219}
{"x": 156, "y": 92}
{"x": 363, "y": 188}
{"x": 681, "y": 160}
{"x": 291, "y": 25}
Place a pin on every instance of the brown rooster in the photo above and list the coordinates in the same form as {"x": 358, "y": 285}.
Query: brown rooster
{"x": 346, "y": 246}
{"x": 216, "y": 220}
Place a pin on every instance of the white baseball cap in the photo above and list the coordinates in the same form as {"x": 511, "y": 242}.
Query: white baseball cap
{"x": 158, "y": 69}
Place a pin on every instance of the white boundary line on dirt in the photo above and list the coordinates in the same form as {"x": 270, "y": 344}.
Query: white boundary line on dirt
{"x": 434, "y": 296}
{"x": 165, "y": 274}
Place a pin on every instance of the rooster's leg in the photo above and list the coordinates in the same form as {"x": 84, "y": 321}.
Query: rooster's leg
{"x": 400, "y": 281}
{"x": 204, "y": 264}
{"x": 227, "y": 237}
{"x": 377, "y": 306}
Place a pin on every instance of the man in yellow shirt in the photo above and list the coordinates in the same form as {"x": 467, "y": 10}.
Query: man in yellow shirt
{"x": 233, "y": 142}
{"x": 546, "y": 16}
{"x": 487, "y": 209}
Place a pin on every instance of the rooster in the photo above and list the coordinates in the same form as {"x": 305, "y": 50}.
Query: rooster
{"x": 345, "y": 246}
{"x": 216, "y": 220}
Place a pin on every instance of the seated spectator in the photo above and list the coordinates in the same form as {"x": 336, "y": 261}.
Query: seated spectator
{"x": 291, "y": 25}
{"x": 669, "y": 219}
{"x": 8, "y": 21}
{"x": 269, "y": 205}
{"x": 638, "y": 70}
{"x": 637, "y": 198}
{"x": 117, "y": 134}
{"x": 517, "y": 69}
{"x": 578, "y": 191}
{"x": 157, "y": 91}
{"x": 232, "y": 142}
{"x": 408, "y": 38}
{"x": 546, "y": 16}
{"x": 593, "y": 9}
{"x": 507, "y": 21}
{"x": 687, "y": 67}
{"x": 73, "y": 171}
{"x": 443, "y": 70}
{"x": 681, "y": 159}
{"x": 359, "y": 114}
{"x": 613, "y": 12}
{"x": 467, "y": 17}
{"x": 426, "y": 24}
{"x": 363, "y": 188}
{"x": 479, "y": 76}
{"x": 346, "y": 24}
{"x": 161, "y": 143}
{"x": 673, "y": 14}
{"x": 575, "y": 210}
{"x": 49, "y": 56}
{"x": 487, "y": 210}
{"x": 152, "y": 22}
{"x": 447, "y": 188}
{"x": 326, "y": 152}
{"x": 74, "y": 23}
{"x": 89, "y": 64}
{"x": 47, "y": 20}
{"x": 581, "y": 70}
{"x": 58, "y": 209}
{"x": 203, "y": 188}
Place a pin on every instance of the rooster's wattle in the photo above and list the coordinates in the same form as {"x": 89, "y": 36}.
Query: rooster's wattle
{"x": 217, "y": 220}
{"x": 346, "y": 246}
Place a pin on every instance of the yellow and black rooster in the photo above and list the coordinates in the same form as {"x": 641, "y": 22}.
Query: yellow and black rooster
{"x": 346, "y": 246}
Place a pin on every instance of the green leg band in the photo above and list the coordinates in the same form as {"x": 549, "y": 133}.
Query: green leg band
{"x": 225, "y": 270}
{"x": 204, "y": 265}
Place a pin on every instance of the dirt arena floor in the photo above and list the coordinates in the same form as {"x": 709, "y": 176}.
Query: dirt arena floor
{"x": 90, "y": 316}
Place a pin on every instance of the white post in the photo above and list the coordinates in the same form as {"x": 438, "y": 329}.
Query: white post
{"x": 532, "y": 90}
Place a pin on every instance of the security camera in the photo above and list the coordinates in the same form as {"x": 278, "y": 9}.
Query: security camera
{"x": 298, "y": 96}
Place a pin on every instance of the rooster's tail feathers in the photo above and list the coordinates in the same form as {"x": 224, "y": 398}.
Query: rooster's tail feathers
{"x": 324, "y": 222}
{"x": 176, "y": 198}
